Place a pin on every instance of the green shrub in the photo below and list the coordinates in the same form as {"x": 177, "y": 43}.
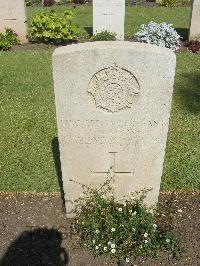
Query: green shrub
{"x": 53, "y": 28}
{"x": 170, "y": 3}
{"x": 104, "y": 36}
{"x": 8, "y": 39}
{"x": 120, "y": 230}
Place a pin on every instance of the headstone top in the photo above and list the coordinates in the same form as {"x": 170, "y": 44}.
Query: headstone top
{"x": 104, "y": 45}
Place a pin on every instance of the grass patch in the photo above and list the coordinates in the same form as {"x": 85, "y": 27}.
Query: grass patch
{"x": 182, "y": 163}
{"x": 179, "y": 17}
{"x": 28, "y": 124}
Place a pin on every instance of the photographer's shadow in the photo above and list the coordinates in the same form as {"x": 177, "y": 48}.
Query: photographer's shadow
{"x": 36, "y": 247}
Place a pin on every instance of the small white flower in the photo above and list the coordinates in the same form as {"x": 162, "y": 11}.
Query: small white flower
{"x": 180, "y": 210}
{"x": 124, "y": 204}
{"x": 97, "y": 231}
{"x": 145, "y": 235}
{"x": 96, "y": 247}
{"x": 120, "y": 209}
{"x": 130, "y": 211}
{"x": 133, "y": 229}
{"x": 133, "y": 214}
{"x": 99, "y": 245}
{"x": 82, "y": 222}
{"x": 127, "y": 260}
{"x": 109, "y": 243}
{"x": 146, "y": 241}
{"x": 155, "y": 226}
{"x": 112, "y": 245}
{"x": 93, "y": 241}
{"x": 77, "y": 221}
{"x": 167, "y": 240}
{"x": 113, "y": 229}
{"x": 132, "y": 197}
{"x": 105, "y": 248}
{"x": 151, "y": 211}
{"x": 113, "y": 250}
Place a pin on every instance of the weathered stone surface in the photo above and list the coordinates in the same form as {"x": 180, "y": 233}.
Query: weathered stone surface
{"x": 109, "y": 15}
{"x": 13, "y": 15}
{"x": 195, "y": 21}
{"x": 113, "y": 103}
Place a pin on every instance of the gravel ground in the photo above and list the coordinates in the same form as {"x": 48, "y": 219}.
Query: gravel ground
{"x": 35, "y": 231}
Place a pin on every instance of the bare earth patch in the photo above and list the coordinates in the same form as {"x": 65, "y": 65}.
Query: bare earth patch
{"x": 34, "y": 231}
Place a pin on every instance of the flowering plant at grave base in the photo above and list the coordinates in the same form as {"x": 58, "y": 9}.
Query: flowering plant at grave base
{"x": 160, "y": 34}
{"x": 120, "y": 230}
{"x": 48, "y": 2}
{"x": 170, "y": 3}
{"x": 104, "y": 36}
{"x": 8, "y": 39}
{"x": 193, "y": 46}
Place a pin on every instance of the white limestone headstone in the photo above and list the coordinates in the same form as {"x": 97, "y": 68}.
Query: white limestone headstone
{"x": 13, "y": 15}
{"x": 195, "y": 21}
{"x": 113, "y": 116}
{"x": 109, "y": 15}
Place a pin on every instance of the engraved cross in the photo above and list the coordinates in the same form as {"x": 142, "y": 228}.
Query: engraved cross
{"x": 109, "y": 14}
{"x": 112, "y": 172}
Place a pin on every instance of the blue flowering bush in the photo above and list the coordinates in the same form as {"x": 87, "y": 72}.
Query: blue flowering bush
{"x": 120, "y": 230}
{"x": 160, "y": 34}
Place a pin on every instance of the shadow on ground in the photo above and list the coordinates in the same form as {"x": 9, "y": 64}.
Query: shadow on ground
{"x": 57, "y": 163}
{"x": 183, "y": 32}
{"x": 89, "y": 30}
{"x": 36, "y": 247}
{"x": 190, "y": 92}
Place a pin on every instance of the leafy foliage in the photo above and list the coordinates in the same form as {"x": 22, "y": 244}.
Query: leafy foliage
{"x": 170, "y": 3}
{"x": 120, "y": 230}
{"x": 53, "y": 28}
{"x": 161, "y": 34}
{"x": 8, "y": 39}
{"x": 193, "y": 46}
{"x": 104, "y": 36}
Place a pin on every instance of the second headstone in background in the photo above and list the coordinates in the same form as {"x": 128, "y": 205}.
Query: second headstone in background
{"x": 13, "y": 15}
{"x": 195, "y": 21}
{"x": 109, "y": 15}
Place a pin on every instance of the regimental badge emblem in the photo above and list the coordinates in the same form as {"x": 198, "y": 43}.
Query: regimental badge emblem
{"x": 114, "y": 89}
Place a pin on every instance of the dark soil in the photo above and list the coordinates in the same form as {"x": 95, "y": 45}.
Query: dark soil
{"x": 34, "y": 231}
{"x": 42, "y": 46}
{"x": 32, "y": 46}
